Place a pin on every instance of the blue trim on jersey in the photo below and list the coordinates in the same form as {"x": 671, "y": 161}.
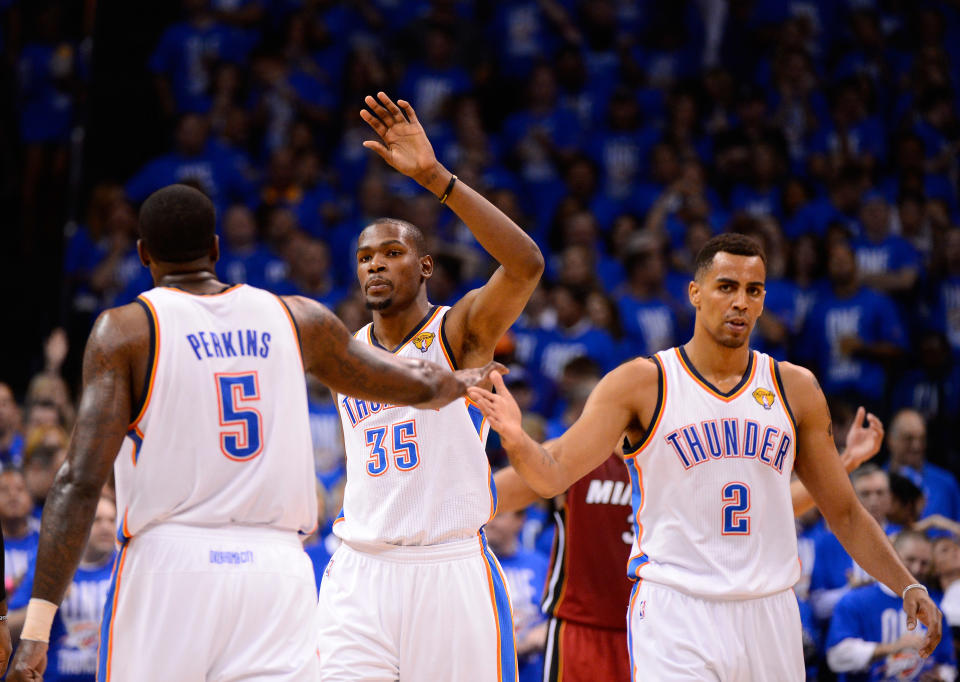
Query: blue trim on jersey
{"x": 493, "y": 492}
{"x": 476, "y": 416}
{"x": 137, "y": 443}
{"x": 637, "y": 562}
{"x": 504, "y": 615}
{"x": 633, "y": 594}
{"x": 104, "y": 648}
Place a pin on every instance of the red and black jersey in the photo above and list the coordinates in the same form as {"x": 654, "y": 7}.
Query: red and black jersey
{"x": 587, "y": 583}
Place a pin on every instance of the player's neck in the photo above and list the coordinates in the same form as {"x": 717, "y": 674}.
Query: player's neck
{"x": 194, "y": 281}
{"x": 717, "y": 363}
{"x": 391, "y": 327}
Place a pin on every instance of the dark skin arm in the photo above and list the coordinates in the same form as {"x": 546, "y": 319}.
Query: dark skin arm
{"x": 819, "y": 467}
{"x": 114, "y": 367}
{"x": 332, "y": 355}
{"x": 478, "y": 320}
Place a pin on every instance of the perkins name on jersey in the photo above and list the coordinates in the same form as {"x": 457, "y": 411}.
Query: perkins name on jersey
{"x": 241, "y": 342}
{"x": 720, "y": 439}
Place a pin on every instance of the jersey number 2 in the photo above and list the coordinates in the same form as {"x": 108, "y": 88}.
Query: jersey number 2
{"x": 242, "y": 438}
{"x": 736, "y": 504}
{"x": 406, "y": 454}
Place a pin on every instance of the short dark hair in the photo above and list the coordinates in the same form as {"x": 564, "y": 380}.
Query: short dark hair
{"x": 177, "y": 224}
{"x": 417, "y": 239}
{"x": 730, "y": 242}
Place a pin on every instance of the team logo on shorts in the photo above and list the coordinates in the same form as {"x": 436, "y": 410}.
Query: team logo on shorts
{"x": 764, "y": 397}
{"x": 423, "y": 340}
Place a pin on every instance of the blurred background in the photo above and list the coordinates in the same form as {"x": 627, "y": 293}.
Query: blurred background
{"x": 620, "y": 134}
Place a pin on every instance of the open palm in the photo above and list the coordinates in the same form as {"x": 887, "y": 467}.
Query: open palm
{"x": 403, "y": 143}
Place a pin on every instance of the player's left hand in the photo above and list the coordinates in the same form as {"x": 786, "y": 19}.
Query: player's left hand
{"x": 863, "y": 442}
{"x": 919, "y": 606}
{"x": 404, "y": 143}
{"x": 29, "y": 663}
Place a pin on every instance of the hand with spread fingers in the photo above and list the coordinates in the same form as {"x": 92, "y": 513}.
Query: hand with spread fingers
{"x": 500, "y": 408}
{"x": 863, "y": 442}
{"x": 918, "y": 605}
{"x": 403, "y": 143}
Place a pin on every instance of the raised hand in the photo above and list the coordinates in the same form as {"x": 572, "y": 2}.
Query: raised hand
{"x": 500, "y": 408}
{"x": 404, "y": 144}
{"x": 863, "y": 442}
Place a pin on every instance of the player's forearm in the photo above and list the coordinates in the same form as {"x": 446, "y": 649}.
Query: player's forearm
{"x": 801, "y": 498}
{"x": 513, "y": 494}
{"x": 67, "y": 516}
{"x": 535, "y": 464}
{"x": 867, "y": 544}
{"x": 497, "y": 234}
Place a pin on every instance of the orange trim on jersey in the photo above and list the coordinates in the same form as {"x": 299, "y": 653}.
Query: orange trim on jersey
{"x": 709, "y": 389}
{"x": 493, "y": 503}
{"x": 443, "y": 347}
{"x": 133, "y": 454}
{"x": 493, "y": 602}
{"x": 483, "y": 421}
{"x": 113, "y": 609}
{"x": 643, "y": 503}
{"x": 783, "y": 401}
{"x": 153, "y": 370}
{"x": 648, "y": 437}
{"x": 411, "y": 335}
{"x": 190, "y": 293}
{"x": 293, "y": 327}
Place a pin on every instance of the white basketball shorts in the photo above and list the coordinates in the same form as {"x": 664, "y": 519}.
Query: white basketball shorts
{"x": 210, "y": 605}
{"x": 416, "y": 613}
{"x": 677, "y": 637}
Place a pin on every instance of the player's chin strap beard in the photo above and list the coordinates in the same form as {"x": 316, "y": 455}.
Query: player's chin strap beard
{"x": 381, "y": 305}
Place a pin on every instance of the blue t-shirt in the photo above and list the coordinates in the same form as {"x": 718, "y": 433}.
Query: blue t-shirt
{"x": 185, "y": 54}
{"x": 46, "y": 110}
{"x": 874, "y": 614}
{"x": 891, "y": 254}
{"x": 867, "y": 315}
{"x": 557, "y": 347}
{"x": 75, "y": 636}
{"x": 652, "y": 323}
{"x": 940, "y": 489}
{"x": 526, "y": 574}
{"x": 945, "y": 311}
{"x": 18, "y": 555}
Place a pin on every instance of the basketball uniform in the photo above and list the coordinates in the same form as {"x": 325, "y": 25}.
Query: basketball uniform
{"x": 715, "y": 553}
{"x": 214, "y": 485}
{"x": 586, "y": 592}
{"x": 413, "y": 592}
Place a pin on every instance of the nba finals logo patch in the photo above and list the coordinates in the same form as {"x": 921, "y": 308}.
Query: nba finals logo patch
{"x": 764, "y": 397}
{"x": 423, "y": 340}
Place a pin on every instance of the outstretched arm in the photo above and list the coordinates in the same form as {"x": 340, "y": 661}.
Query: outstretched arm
{"x": 611, "y": 408}
{"x": 863, "y": 442}
{"x": 818, "y": 466}
{"x": 479, "y": 319}
{"x": 332, "y": 355}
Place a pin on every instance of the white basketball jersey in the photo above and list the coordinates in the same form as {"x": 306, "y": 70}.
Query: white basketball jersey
{"x": 711, "y": 484}
{"x": 222, "y": 437}
{"x": 414, "y": 477}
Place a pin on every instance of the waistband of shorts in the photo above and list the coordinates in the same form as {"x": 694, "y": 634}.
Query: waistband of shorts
{"x": 728, "y": 598}
{"x": 448, "y": 551}
{"x": 182, "y": 531}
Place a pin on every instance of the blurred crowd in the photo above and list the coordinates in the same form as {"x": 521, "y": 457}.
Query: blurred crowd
{"x": 622, "y": 135}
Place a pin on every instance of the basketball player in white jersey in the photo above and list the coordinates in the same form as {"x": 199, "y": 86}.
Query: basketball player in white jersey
{"x": 199, "y": 387}
{"x": 715, "y": 431}
{"x": 413, "y": 593}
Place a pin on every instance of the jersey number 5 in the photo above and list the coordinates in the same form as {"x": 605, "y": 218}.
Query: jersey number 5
{"x": 406, "y": 453}
{"x": 242, "y": 438}
{"x": 736, "y": 504}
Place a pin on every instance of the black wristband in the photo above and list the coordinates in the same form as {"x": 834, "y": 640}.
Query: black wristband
{"x": 446, "y": 192}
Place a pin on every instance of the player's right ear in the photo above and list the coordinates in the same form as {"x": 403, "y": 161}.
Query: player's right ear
{"x": 693, "y": 291}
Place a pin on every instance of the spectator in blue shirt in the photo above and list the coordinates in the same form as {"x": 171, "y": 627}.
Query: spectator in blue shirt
{"x": 762, "y": 196}
{"x": 526, "y": 574}
{"x": 907, "y": 444}
{"x": 243, "y": 259}
{"x": 851, "y": 136}
{"x": 620, "y": 148}
{"x": 310, "y": 274}
{"x": 194, "y": 160}
{"x": 21, "y": 532}
{"x": 834, "y": 572}
{"x": 75, "y": 636}
{"x": 184, "y": 59}
{"x": 886, "y": 262}
{"x": 11, "y": 440}
{"x": 869, "y": 639}
{"x": 431, "y": 83}
{"x": 851, "y": 332}
{"x": 838, "y": 206}
{"x": 647, "y": 311}
{"x": 945, "y": 299}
